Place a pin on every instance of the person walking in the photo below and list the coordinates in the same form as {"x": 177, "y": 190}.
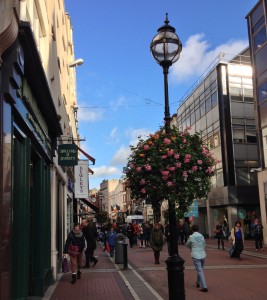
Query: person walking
{"x": 186, "y": 230}
{"x": 167, "y": 236}
{"x": 156, "y": 241}
{"x": 237, "y": 238}
{"x": 74, "y": 240}
{"x": 111, "y": 239}
{"x": 258, "y": 234}
{"x": 218, "y": 230}
{"x": 130, "y": 234}
{"x": 90, "y": 234}
{"x": 197, "y": 244}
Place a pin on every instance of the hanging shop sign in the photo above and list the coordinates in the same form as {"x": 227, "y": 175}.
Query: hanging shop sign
{"x": 68, "y": 155}
{"x": 81, "y": 179}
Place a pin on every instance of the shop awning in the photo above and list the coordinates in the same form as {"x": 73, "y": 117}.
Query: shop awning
{"x": 87, "y": 155}
{"x": 90, "y": 204}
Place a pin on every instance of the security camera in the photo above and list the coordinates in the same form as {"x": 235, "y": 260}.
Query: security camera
{"x": 76, "y": 62}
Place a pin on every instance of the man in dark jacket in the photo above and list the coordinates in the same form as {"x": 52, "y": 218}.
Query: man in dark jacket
{"x": 90, "y": 234}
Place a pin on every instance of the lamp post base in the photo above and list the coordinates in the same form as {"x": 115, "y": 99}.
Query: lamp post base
{"x": 175, "y": 268}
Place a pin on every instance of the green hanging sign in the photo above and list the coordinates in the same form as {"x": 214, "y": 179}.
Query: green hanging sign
{"x": 68, "y": 155}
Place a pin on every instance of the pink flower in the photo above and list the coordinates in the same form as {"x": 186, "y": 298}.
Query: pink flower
{"x": 176, "y": 156}
{"x": 188, "y": 156}
{"x": 131, "y": 165}
{"x": 199, "y": 162}
{"x": 178, "y": 165}
{"x": 164, "y": 156}
{"x": 170, "y": 152}
{"x": 194, "y": 168}
{"x": 171, "y": 169}
{"x": 165, "y": 173}
{"x": 184, "y": 141}
{"x": 167, "y": 141}
{"x": 185, "y": 174}
{"x": 138, "y": 169}
{"x": 142, "y": 182}
{"x": 143, "y": 191}
{"x": 169, "y": 183}
{"x": 146, "y": 147}
{"x": 148, "y": 167}
{"x": 186, "y": 160}
{"x": 209, "y": 170}
{"x": 165, "y": 178}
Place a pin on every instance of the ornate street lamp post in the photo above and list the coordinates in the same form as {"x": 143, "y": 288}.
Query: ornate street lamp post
{"x": 166, "y": 48}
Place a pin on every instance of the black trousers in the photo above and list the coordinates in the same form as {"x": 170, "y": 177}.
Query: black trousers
{"x": 89, "y": 256}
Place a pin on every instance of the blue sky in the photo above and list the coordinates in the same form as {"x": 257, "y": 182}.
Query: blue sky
{"x": 120, "y": 86}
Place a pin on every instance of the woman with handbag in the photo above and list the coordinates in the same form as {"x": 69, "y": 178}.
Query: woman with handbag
{"x": 74, "y": 246}
{"x": 237, "y": 237}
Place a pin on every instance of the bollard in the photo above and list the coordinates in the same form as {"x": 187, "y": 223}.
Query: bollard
{"x": 125, "y": 256}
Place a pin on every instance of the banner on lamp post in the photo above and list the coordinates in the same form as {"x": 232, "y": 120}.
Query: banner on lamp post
{"x": 81, "y": 179}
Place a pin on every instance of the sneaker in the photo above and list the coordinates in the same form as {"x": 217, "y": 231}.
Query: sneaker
{"x": 73, "y": 278}
{"x": 204, "y": 290}
{"x": 145, "y": 247}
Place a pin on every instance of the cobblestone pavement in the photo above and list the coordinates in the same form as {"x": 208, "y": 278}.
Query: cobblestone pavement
{"x": 226, "y": 278}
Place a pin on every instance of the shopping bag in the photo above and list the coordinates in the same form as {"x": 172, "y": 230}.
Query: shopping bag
{"x": 107, "y": 248}
{"x": 65, "y": 265}
{"x": 231, "y": 250}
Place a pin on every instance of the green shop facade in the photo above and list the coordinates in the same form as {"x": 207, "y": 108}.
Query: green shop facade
{"x": 29, "y": 130}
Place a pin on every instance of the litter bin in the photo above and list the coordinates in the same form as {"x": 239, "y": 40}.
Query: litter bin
{"x": 119, "y": 248}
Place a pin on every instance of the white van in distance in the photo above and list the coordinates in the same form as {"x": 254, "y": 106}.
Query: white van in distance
{"x": 139, "y": 219}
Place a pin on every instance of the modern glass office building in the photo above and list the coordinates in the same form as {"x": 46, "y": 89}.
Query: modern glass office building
{"x": 221, "y": 108}
{"x": 257, "y": 28}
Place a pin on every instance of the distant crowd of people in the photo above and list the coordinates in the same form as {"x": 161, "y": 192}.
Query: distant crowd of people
{"x": 83, "y": 238}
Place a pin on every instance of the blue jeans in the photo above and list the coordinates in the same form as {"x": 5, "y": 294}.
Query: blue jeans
{"x": 199, "y": 265}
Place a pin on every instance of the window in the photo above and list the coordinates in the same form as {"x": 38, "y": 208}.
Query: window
{"x": 208, "y": 104}
{"x": 262, "y": 91}
{"x": 236, "y": 94}
{"x": 197, "y": 112}
{"x": 217, "y": 139}
{"x": 259, "y": 38}
{"x": 258, "y": 24}
{"x": 214, "y": 99}
{"x": 202, "y": 109}
{"x": 248, "y": 95}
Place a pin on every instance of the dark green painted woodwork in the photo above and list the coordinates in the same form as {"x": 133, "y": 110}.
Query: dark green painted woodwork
{"x": 20, "y": 220}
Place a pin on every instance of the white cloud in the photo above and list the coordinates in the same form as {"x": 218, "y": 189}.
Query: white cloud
{"x": 105, "y": 171}
{"x": 196, "y": 56}
{"x": 133, "y": 134}
{"x": 87, "y": 115}
{"x": 114, "y": 136}
{"x": 120, "y": 157}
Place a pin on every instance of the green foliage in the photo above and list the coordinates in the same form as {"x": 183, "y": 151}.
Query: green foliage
{"x": 176, "y": 166}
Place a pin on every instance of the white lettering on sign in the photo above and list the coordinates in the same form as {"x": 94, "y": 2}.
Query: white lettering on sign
{"x": 81, "y": 179}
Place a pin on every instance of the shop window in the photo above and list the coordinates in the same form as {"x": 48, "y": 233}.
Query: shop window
{"x": 263, "y": 114}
